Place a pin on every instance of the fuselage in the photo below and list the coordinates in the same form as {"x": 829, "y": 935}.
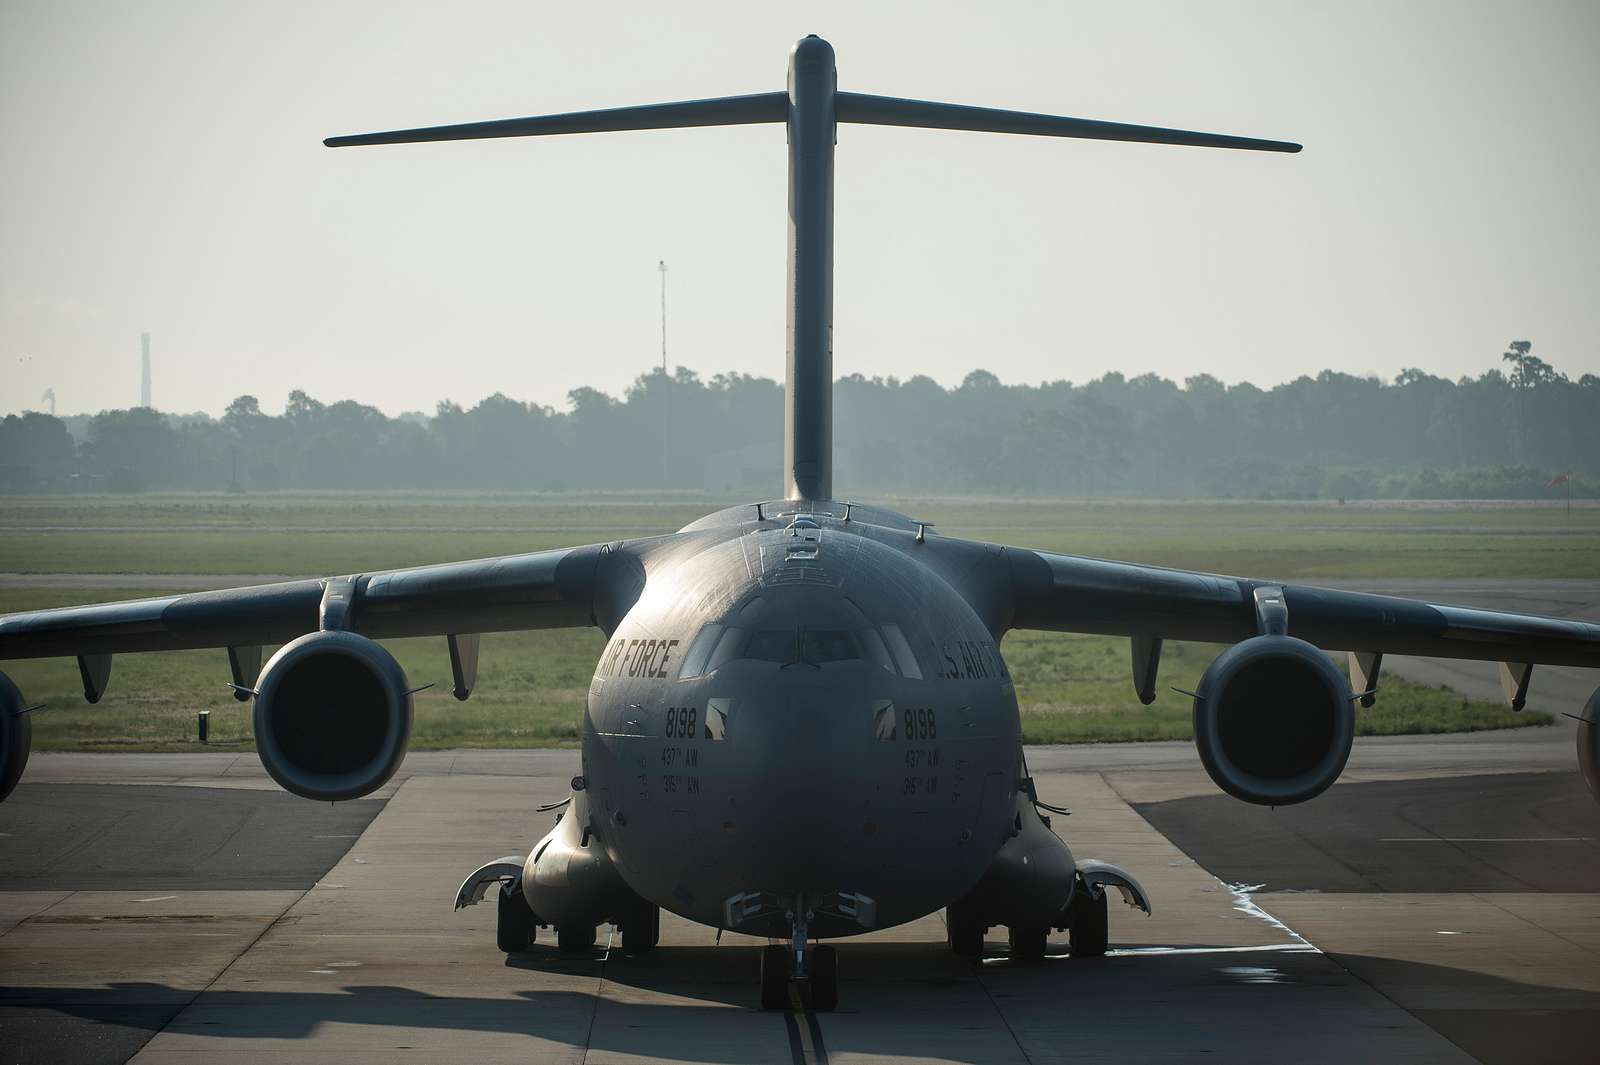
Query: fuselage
{"x": 802, "y": 708}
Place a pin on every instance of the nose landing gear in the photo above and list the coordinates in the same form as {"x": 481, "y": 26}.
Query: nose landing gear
{"x": 812, "y": 971}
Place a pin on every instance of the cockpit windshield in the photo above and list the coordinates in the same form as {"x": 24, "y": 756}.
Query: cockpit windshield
{"x": 771, "y": 645}
{"x": 821, "y": 646}
{"x": 824, "y": 637}
{"x": 718, "y": 645}
{"x": 801, "y": 647}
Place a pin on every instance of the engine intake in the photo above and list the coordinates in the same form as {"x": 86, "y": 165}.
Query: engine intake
{"x": 1273, "y": 721}
{"x": 332, "y": 716}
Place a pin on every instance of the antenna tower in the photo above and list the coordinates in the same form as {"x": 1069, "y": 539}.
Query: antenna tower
{"x": 661, "y": 264}
{"x": 144, "y": 375}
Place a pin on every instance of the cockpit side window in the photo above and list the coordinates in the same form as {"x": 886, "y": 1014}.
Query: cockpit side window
{"x": 694, "y": 663}
{"x": 727, "y": 648}
{"x": 877, "y": 652}
{"x": 901, "y": 650}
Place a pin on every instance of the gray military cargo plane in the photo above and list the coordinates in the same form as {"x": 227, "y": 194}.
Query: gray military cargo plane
{"x": 802, "y": 726}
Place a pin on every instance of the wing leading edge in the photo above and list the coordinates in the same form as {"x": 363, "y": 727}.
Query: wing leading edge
{"x": 1069, "y": 593}
{"x": 540, "y": 590}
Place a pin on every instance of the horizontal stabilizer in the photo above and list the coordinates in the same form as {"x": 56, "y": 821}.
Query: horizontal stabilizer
{"x": 891, "y": 111}
{"x": 720, "y": 111}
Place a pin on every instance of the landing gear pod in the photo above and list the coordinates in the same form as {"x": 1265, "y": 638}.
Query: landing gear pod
{"x": 1588, "y": 744}
{"x": 16, "y": 736}
{"x": 332, "y": 716}
{"x": 1273, "y": 721}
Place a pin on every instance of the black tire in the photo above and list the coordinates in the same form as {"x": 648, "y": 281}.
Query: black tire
{"x": 515, "y": 926}
{"x": 643, "y": 928}
{"x": 575, "y": 939}
{"x": 1028, "y": 942}
{"x": 1088, "y": 924}
{"x": 963, "y": 930}
{"x": 775, "y": 978}
{"x": 824, "y": 973}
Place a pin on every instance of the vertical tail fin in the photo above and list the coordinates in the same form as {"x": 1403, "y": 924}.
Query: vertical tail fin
{"x": 812, "y": 108}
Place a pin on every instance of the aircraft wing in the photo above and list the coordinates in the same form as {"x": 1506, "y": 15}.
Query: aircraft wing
{"x": 1070, "y": 593}
{"x": 540, "y": 590}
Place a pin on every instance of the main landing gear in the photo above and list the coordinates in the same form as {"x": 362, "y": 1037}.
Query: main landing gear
{"x": 1088, "y": 923}
{"x": 1085, "y": 920}
{"x": 641, "y": 927}
{"x": 517, "y": 926}
{"x": 812, "y": 972}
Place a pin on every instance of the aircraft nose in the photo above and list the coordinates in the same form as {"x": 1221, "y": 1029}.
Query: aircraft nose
{"x": 801, "y": 784}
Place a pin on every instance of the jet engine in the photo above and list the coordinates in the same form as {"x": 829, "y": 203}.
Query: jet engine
{"x": 16, "y": 736}
{"x": 1588, "y": 746}
{"x": 1273, "y": 720}
{"x": 332, "y": 716}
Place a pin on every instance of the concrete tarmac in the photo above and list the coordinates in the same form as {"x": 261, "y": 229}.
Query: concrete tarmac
{"x": 1335, "y": 955}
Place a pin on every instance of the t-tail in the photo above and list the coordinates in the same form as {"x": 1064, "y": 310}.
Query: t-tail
{"x": 812, "y": 108}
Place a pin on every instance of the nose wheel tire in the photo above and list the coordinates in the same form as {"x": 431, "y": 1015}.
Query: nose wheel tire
{"x": 824, "y": 966}
{"x": 515, "y": 927}
{"x": 1088, "y": 924}
{"x": 1028, "y": 942}
{"x": 643, "y": 928}
{"x": 964, "y": 931}
{"x": 775, "y": 978}
{"x": 573, "y": 940}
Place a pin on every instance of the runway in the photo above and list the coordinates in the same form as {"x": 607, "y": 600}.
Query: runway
{"x": 1324, "y": 933}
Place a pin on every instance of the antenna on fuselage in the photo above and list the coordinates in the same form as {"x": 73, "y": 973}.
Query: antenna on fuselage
{"x": 812, "y": 108}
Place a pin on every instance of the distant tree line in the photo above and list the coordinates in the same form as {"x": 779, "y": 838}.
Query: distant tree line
{"x": 1504, "y": 434}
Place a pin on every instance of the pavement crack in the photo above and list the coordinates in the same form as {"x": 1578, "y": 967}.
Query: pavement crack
{"x": 599, "y": 993}
{"x": 38, "y": 913}
{"x": 248, "y": 947}
{"x": 1482, "y": 897}
{"x": 998, "y": 1012}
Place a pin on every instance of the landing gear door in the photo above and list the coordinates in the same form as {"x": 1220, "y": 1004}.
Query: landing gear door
{"x": 992, "y": 795}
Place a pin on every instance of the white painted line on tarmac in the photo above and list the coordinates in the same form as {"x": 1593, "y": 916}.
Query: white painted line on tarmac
{"x": 1487, "y": 839}
{"x": 1284, "y": 948}
{"x": 1246, "y": 905}
{"x": 157, "y": 898}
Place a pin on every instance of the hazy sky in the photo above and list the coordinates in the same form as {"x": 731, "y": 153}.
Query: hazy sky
{"x": 163, "y": 171}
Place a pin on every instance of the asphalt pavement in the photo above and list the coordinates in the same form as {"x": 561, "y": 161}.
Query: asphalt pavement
{"x": 1330, "y": 932}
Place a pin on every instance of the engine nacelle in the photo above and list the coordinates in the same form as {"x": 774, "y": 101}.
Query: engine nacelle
{"x": 1273, "y": 720}
{"x": 332, "y": 716}
{"x": 16, "y": 736}
{"x": 1588, "y": 744}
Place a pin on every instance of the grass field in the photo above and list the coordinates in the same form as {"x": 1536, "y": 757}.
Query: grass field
{"x": 318, "y": 534}
{"x": 531, "y": 685}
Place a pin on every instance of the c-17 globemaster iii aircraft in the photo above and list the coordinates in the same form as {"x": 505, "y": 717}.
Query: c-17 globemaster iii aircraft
{"x": 802, "y": 726}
